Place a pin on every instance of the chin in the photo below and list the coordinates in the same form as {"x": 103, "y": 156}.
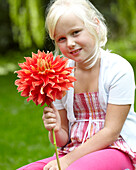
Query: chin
{"x": 77, "y": 61}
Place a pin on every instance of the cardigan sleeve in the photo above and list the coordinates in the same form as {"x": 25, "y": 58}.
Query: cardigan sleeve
{"x": 64, "y": 102}
{"x": 58, "y": 104}
{"x": 122, "y": 84}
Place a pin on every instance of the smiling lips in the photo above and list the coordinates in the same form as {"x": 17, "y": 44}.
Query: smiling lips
{"x": 75, "y": 52}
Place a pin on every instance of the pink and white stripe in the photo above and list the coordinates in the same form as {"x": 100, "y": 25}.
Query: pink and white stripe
{"x": 90, "y": 119}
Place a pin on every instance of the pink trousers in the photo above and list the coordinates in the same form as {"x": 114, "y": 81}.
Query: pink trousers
{"x": 107, "y": 159}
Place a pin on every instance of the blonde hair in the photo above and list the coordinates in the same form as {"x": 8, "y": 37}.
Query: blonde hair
{"x": 82, "y": 9}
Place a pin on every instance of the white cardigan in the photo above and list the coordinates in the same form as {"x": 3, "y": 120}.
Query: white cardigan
{"x": 116, "y": 86}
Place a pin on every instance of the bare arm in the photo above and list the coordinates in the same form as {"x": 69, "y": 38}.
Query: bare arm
{"x": 115, "y": 118}
{"x": 53, "y": 118}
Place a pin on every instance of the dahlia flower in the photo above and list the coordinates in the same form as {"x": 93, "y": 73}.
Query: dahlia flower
{"x": 43, "y": 78}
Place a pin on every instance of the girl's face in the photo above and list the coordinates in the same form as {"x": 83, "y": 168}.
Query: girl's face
{"x": 73, "y": 38}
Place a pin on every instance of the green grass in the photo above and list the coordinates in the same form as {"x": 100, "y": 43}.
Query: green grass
{"x": 23, "y": 138}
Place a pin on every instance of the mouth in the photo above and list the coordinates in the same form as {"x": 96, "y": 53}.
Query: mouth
{"x": 75, "y": 52}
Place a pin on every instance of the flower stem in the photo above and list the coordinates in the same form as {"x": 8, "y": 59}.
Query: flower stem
{"x": 54, "y": 141}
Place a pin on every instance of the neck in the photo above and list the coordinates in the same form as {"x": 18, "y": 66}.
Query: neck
{"x": 90, "y": 63}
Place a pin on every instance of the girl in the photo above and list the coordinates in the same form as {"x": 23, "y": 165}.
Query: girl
{"x": 94, "y": 123}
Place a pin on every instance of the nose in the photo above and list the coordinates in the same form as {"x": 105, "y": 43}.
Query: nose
{"x": 70, "y": 42}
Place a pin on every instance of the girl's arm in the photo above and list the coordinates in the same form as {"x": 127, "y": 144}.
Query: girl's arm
{"x": 115, "y": 118}
{"x": 57, "y": 120}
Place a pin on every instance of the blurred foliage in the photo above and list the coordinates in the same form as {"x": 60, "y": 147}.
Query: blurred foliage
{"x": 24, "y": 27}
{"x": 27, "y": 17}
{"x": 23, "y": 138}
{"x": 5, "y": 31}
{"x": 9, "y": 60}
{"x": 125, "y": 13}
{"x": 105, "y": 7}
{"x": 27, "y": 21}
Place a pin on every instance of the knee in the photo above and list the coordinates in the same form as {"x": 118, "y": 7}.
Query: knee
{"x": 33, "y": 166}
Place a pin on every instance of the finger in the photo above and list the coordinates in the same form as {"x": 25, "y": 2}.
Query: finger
{"x": 50, "y": 120}
{"x": 47, "y": 167}
{"x": 53, "y": 168}
{"x": 50, "y": 126}
{"x": 47, "y": 109}
{"x": 44, "y": 168}
{"x": 48, "y": 115}
{"x": 49, "y": 123}
{"x": 53, "y": 107}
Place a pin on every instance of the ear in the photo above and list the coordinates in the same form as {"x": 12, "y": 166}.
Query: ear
{"x": 97, "y": 22}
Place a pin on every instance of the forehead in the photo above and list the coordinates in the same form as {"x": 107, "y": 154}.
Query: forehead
{"x": 68, "y": 22}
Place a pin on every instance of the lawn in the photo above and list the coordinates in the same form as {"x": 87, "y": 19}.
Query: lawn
{"x": 23, "y": 138}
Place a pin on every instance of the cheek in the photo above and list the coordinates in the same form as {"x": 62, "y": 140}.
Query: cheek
{"x": 90, "y": 43}
{"x": 62, "y": 48}
{"x": 88, "y": 40}
{"x": 85, "y": 42}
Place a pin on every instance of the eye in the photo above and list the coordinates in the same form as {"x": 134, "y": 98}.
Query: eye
{"x": 61, "y": 39}
{"x": 76, "y": 32}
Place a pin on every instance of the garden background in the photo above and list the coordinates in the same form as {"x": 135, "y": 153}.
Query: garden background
{"x": 23, "y": 138}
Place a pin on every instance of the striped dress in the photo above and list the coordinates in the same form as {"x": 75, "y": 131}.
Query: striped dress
{"x": 89, "y": 120}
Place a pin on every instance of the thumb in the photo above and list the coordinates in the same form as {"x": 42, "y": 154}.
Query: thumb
{"x": 53, "y": 107}
{"x": 58, "y": 119}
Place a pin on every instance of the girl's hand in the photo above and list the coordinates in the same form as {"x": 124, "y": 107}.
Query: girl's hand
{"x": 51, "y": 118}
{"x": 53, "y": 165}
